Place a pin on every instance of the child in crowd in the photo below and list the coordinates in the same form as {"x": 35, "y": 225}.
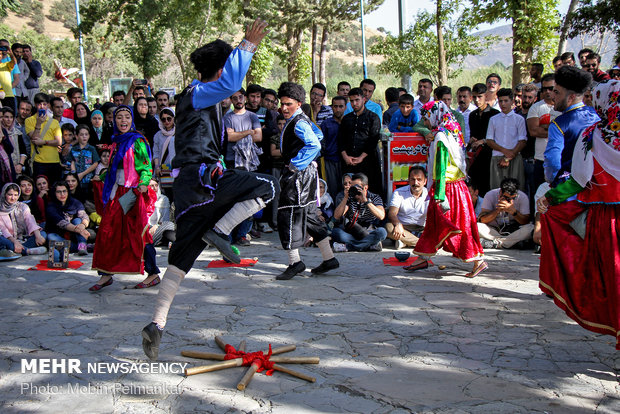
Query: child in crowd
{"x": 104, "y": 162}
{"x": 405, "y": 118}
{"x": 84, "y": 157}
{"x": 68, "y": 141}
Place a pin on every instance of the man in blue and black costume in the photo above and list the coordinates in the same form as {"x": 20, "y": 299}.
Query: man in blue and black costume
{"x": 210, "y": 200}
{"x": 300, "y": 143}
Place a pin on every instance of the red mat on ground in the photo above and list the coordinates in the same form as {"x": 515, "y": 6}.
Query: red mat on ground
{"x": 392, "y": 261}
{"x": 42, "y": 265}
{"x": 223, "y": 263}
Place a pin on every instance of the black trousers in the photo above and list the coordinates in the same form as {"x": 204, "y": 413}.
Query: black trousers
{"x": 232, "y": 187}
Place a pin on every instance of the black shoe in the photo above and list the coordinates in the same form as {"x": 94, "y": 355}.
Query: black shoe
{"x": 291, "y": 271}
{"x": 151, "y": 337}
{"x": 326, "y": 266}
{"x": 221, "y": 243}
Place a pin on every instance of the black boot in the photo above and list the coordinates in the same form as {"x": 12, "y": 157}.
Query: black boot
{"x": 221, "y": 243}
{"x": 326, "y": 266}
{"x": 291, "y": 271}
{"x": 151, "y": 337}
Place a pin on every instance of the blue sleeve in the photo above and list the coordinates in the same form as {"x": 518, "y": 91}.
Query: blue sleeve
{"x": 393, "y": 126}
{"x": 553, "y": 152}
{"x": 35, "y": 69}
{"x": 207, "y": 94}
{"x": 415, "y": 120}
{"x": 311, "y": 135}
{"x": 15, "y": 70}
{"x": 348, "y": 109}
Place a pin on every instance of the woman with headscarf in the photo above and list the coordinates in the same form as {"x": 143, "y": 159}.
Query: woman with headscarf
{"x": 145, "y": 123}
{"x": 122, "y": 235}
{"x": 66, "y": 219}
{"x": 163, "y": 151}
{"x": 97, "y": 137}
{"x": 81, "y": 114}
{"x": 29, "y": 196}
{"x": 451, "y": 220}
{"x": 7, "y": 168}
{"x": 15, "y": 135}
{"x": 19, "y": 230}
{"x": 580, "y": 256}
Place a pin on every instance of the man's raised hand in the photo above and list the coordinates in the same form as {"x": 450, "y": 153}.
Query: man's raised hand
{"x": 256, "y": 31}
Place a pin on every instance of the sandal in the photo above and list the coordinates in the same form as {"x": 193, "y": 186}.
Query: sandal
{"x": 418, "y": 266}
{"x": 96, "y": 287}
{"x": 481, "y": 268}
{"x": 152, "y": 283}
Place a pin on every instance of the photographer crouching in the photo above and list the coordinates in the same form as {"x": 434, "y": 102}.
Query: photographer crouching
{"x": 360, "y": 211}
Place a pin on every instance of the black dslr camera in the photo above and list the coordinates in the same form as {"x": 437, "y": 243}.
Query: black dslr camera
{"x": 355, "y": 190}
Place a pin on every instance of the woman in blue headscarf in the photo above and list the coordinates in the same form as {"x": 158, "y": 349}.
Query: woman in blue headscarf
{"x": 121, "y": 236}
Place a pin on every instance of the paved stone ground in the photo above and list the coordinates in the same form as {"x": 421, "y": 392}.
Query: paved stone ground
{"x": 389, "y": 341}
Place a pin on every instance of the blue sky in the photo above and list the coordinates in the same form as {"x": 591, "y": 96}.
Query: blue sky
{"x": 386, "y": 16}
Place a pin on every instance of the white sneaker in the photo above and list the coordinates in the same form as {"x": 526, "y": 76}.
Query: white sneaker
{"x": 266, "y": 228}
{"x": 36, "y": 250}
{"x": 399, "y": 245}
{"x": 340, "y": 247}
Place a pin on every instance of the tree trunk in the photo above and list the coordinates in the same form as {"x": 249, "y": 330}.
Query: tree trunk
{"x": 566, "y": 25}
{"x": 179, "y": 57}
{"x": 294, "y": 38}
{"x": 323, "y": 57}
{"x": 522, "y": 54}
{"x": 314, "y": 35}
{"x": 443, "y": 70}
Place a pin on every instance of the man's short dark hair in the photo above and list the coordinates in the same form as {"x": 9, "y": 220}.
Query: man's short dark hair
{"x": 391, "y": 95}
{"x": 41, "y": 97}
{"x": 119, "y": 93}
{"x": 150, "y": 99}
{"x": 425, "y": 80}
{"x": 573, "y": 79}
{"x": 73, "y": 91}
{"x": 320, "y": 86}
{"x": 368, "y": 82}
{"x": 343, "y": 83}
{"x": 4, "y": 40}
{"x": 67, "y": 127}
{"x": 594, "y": 56}
{"x": 557, "y": 59}
{"x": 403, "y": 90}
{"x": 505, "y": 92}
{"x": 509, "y": 185}
{"x": 280, "y": 117}
{"x": 27, "y": 102}
{"x": 519, "y": 87}
{"x": 140, "y": 88}
{"x": 479, "y": 88}
{"x": 210, "y": 58}
{"x": 568, "y": 55}
{"x": 585, "y": 51}
{"x": 291, "y": 90}
{"x": 55, "y": 99}
{"x": 440, "y": 91}
{"x": 405, "y": 99}
{"x": 547, "y": 77}
{"x": 241, "y": 91}
{"x": 15, "y": 46}
{"x": 463, "y": 89}
{"x": 159, "y": 93}
{"x": 356, "y": 92}
{"x": 339, "y": 98}
{"x": 360, "y": 176}
{"x": 494, "y": 75}
{"x": 473, "y": 184}
{"x": 254, "y": 88}
{"x": 269, "y": 92}
{"x": 539, "y": 66}
{"x": 26, "y": 46}
{"x": 417, "y": 168}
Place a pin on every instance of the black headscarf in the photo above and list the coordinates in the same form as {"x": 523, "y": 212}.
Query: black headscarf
{"x": 147, "y": 126}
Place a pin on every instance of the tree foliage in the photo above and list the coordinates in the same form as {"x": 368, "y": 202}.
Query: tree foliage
{"x": 416, "y": 50}
{"x": 597, "y": 16}
{"x": 8, "y": 5}
{"x": 534, "y": 29}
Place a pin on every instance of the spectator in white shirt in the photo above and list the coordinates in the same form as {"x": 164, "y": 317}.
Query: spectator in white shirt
{"x": 465, "y": 108}
{"x": 507, "y": 136}
{"x": 407, "y": 211}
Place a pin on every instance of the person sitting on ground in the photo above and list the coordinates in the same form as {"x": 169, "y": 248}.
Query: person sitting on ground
{"x": 326, "y": 209}
{"x": 67, "y": 219}
{"x": 19, "y": 231}
{"x": 43, "y": 187}
{"x": 474, "y": 192}
{"x": 346, "y": 184}
{"x": 405, "y": 118}
{"x": 407, "y": 211}
{"x": 360, "y": 209}
{"x": 29, "y": 196}
{"x": 161, "y": 227}
{"x": 505, "y": 216}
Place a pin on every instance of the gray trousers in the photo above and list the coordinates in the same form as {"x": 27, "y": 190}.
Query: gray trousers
{"x": 514, "y": 170}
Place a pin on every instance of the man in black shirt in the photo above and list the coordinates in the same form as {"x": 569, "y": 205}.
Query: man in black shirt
{"x": 358, "y": 136}
{"x": 529, "y": 94}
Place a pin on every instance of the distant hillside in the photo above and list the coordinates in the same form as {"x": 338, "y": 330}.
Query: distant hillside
{"x": 502, "y": 51}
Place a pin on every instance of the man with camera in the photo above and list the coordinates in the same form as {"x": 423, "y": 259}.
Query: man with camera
{"x": 359, "y": 209}
{"x": 505, "y": 216}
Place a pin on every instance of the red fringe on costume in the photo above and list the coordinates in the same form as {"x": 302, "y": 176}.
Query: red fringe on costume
{"x": 583, "y": 276}
{"x": 456, "y": 230}
{"x": 121, "y": 238}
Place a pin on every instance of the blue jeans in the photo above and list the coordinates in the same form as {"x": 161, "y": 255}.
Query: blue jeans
{"x": 76, "y": 238}
{"x": 241, "y": 230}
{"x": 341, "y": 236}
{"x": 30, "y": 243}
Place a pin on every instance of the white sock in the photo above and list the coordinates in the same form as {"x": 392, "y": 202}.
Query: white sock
{"x": 325, "y": 248}
{"x": 239, "y": 212}
{"x": 293, "y": 256}
{"x": 167, "y": 290}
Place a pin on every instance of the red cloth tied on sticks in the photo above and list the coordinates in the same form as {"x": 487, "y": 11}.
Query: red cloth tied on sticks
{"x": 250, "y": 358}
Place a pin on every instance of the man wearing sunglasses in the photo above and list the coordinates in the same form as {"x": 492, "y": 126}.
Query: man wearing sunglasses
{"x": 505, "y": 216}
{"x": 593, "y": 61}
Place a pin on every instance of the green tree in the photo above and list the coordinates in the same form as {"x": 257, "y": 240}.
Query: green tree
{"x": 8, "y": 5}
{"x": 534, "y": 29}
{"x": 64, "y": 11}
{"x": 597, "y": 16}
{"x": 417, "y": 49}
